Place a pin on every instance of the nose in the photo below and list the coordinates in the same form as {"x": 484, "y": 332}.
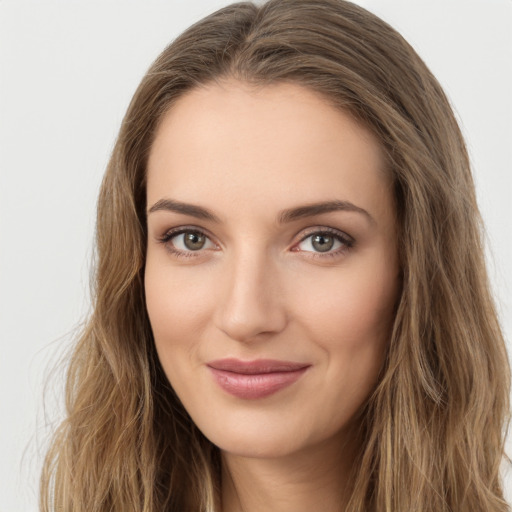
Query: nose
{"x": 250, "y": 303}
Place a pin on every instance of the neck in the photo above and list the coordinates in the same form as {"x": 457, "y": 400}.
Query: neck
{"x": 316, "y": 478}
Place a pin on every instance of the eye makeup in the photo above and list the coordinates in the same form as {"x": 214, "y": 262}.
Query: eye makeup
{"x": 315, "y": 242}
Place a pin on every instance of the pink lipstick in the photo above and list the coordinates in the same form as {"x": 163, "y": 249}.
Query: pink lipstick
{"x": 255, "y": 379}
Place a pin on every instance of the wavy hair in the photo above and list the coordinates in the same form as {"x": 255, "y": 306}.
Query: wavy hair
{"x": 433, "y": 429}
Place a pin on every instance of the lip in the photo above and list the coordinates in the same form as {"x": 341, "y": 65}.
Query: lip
{"x": 255, "y": 379}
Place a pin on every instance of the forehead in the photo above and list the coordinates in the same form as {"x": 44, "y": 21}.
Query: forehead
{"x": 281, "y": 143}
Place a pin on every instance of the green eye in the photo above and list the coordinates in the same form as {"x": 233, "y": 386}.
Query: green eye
{"x": 325, "y": 242}
{"x": 194, "y": 241}
{"x": 322, "y": 243}
{"x": 187, "y": 241}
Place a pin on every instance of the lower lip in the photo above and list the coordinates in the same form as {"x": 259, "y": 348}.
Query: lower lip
{"x": 258, "y": 385}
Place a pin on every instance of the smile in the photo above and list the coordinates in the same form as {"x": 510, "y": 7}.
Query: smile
{"x": 255, "y": 379}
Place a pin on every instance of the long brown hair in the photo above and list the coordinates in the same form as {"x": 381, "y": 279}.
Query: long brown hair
{"x": 434, "y": 427}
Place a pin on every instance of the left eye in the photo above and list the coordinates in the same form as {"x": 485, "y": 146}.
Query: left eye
{"x": 322, "y": 243}
{"x": 191, "y": 241}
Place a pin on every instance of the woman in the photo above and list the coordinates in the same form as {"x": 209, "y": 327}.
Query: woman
{"x": 292, "y": 310}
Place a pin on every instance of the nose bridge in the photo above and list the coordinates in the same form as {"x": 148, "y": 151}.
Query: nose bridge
{"x": 251, "y": 301}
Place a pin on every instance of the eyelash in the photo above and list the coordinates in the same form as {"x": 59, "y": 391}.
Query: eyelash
{"x": 167, "y": 237}
{"x": 346, "y": 241}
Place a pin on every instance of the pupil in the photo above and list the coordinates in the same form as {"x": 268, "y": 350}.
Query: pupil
{"x": 194, "y": 241}
{"x": 323, "y": 243}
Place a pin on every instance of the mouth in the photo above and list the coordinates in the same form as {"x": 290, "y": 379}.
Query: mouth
{"x": 260, "y": 378}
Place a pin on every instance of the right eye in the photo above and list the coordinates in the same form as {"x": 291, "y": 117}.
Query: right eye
{"x": 184, "y": 242}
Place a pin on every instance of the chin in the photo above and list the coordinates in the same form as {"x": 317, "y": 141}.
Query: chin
{"x": 257, "y": 447}
{"x": 259, "y": 438}
{"x": 248, "y": 437}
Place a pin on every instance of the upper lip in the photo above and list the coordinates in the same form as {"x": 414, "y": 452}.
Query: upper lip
{"x": 256, "y": 366}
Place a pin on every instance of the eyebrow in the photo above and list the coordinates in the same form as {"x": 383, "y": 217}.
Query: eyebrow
{"x": 311, "y": 210}
{"x": 185, "y": 208}
{"x": 288, "y": 215}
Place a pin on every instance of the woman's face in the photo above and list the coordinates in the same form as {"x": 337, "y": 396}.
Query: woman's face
{"x": 272, "y": 270}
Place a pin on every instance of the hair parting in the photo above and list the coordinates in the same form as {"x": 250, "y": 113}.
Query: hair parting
{"x": 434, "y": 427}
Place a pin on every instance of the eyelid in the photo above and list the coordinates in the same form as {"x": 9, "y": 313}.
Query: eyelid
{"x": 346, "y": 240}
{"x": 172, "y": 232}
{"x": 169, "y": 234}
{"x": 325, "y": 230}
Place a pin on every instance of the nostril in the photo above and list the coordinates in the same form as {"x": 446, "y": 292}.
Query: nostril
{"x": 249, "y": 304}
{"x": 244, "y": 321}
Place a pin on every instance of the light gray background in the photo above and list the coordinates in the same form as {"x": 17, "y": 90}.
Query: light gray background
{"x": 68, "y": 69}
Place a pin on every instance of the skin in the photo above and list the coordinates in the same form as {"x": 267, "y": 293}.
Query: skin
{"x": 259, "y": 288}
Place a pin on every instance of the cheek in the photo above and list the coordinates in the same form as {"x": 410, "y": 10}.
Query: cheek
{"x": 351, "y": 309}
{"x": 350, "y": 318}
{"x": 353, "y": 328}
{"x": 179, "y": 309}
